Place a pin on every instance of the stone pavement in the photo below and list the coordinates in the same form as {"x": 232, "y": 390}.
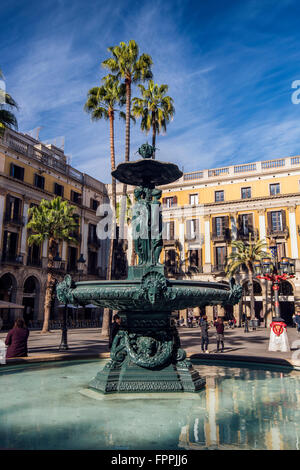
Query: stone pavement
{"x": 252, "y": 346}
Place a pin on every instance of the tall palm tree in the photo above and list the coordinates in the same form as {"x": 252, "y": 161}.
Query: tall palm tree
{"x": 53, "y": 221}
{"x": 7, "y": 105}
{"x": 155, "y": 108}
{"x": 102, "y": 103}
{"x": 127, "y": 65}
{"x": 244, "y": 254}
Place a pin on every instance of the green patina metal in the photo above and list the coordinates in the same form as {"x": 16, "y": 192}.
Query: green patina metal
{"x": 146, "y": 354}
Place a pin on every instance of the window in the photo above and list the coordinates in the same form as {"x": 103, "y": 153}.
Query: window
{"x": 276, "y": 221}
{"x": 33, "y": 258}
{"x": 92, "y": 237}
{"x": 246, "y": 193}
{"x": 194, "y": 200}
{"x": 13, "y": 209}
{"x": 170, "y": 201}
{"x": 94, "y": 204}
{"x": 246, "y": 224}
{"x": 220, "y": 256}
{"x": 219, "y": 226}
{"x": 17, "y": 172}
{"x": 169, "y": 231}
{"x": 10, "y": 246}
{"x": 195, "y": 258}
{"x": 219, "y": 196}
{"x": 58, "y": 190}
{"x": 192, "y": 229}
{"x": 72, "y": 259}
{"x": 274, "y": 189}
{"x": 39, "y": 181}
{"x": 170, "y": 258}
{"x": 92, "y": 262}
{"x": 75, "y": 197}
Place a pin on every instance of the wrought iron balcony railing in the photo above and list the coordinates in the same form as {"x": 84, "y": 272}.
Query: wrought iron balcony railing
{"x": 278, "y": 233}
{"x": 244, "y": 234}
{"x": 34, "y": 263}
{"x": 93, "y": 241}
{"x": 14, "y": 219}
{"x": 218, "y": 268}
{"x": 223, "y": 235}
{"x": 12, "y": 259}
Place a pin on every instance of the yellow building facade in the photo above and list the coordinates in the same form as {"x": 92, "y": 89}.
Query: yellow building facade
{"x": 204, "y": 211}
{"x": 29, "y": 172}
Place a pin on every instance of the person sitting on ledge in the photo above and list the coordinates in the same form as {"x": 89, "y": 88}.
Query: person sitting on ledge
{"x": 16, "y": 340}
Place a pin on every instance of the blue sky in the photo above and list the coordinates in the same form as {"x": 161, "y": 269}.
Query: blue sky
{"x": 229, "y": 66}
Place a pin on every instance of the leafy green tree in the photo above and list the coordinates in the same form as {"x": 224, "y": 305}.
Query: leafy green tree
{"x": 155, "y": 108}
{"x": 55, "y": 222}
{"x": 7, "y": 105}
{"x": 103, "y": 103}
{"x": 243, "y": 255}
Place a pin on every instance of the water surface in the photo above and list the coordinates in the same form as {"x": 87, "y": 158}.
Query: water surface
{"x": 48, "y": 406}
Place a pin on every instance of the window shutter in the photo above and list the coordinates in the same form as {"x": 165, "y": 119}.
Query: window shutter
{"x": 214, "y": 228}
{"x": 174, "y": 200}
{"x": 250, "y": 222}
{"x": 215, "y": 256}
{"x": 188, "y": 229}
{"x": 11, "y": 169}
{"x": 164, "y": 202}
{"x": 240, "y": 225}
{"x": 197, "y": 229}
{"x": 199, "y": 257}
{"x": 226, "y": 221}
{"x": 283, "y": 216}
{"x": 269, "y": 217}
{"x": 172, "y": 230}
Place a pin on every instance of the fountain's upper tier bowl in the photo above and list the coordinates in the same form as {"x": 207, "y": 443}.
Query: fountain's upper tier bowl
{"x": 147, "y": 173}
{"x": 154, "y": 294}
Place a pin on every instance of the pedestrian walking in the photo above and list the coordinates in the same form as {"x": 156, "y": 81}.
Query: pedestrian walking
{"x": 16, "y": 340}
{"x": 296, "y": 320}
{"x": 114, "y": 329}
{"x": 204, "y": 334}
{"x": 220, "y": 333}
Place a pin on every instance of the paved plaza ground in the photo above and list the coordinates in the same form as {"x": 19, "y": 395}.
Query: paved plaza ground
{"x": 252, "y": 346}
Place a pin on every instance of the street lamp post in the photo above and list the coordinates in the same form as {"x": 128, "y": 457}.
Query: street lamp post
{"x": 275, "y": 272}
{"x": 80, "y": 262}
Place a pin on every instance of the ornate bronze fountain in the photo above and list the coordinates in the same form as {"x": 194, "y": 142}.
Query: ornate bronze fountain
{"x": 146, "y": 355}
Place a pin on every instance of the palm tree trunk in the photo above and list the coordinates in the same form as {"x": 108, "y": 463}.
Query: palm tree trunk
{"x": 106, "y": 312}
{"x": 128, "y": 106}
{"x": 49, "y": 287}
{"x": 127, "y": 156}
{"x": 127, "y": 128}
{"x": 153, "y": 138}
{"x": 252, "y": 299}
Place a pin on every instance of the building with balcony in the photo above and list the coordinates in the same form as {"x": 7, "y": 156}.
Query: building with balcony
{"x": 29, "y": 172}
{"x": 206, "y": 210}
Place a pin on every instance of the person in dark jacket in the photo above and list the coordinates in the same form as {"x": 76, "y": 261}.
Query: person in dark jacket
{"x": 114, "y": 329}
{"x": 220, "y": 333}
{"x": 16, "y": 340}
{"x": 204, "y": 334}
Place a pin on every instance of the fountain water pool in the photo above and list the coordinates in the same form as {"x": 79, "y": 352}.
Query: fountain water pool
{"x": 48, "y": 406}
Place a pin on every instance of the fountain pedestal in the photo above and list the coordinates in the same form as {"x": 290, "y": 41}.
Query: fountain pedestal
{"x": 146, "y": 355}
